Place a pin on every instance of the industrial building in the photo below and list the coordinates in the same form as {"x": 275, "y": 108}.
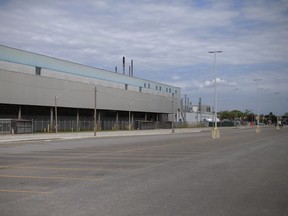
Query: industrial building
{"x": 45, "y": 89}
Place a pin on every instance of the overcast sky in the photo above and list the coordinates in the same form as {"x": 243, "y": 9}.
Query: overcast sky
{"x": 169, "y": 42}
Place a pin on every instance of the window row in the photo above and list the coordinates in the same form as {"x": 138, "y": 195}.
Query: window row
{"x": 159, "y": 88}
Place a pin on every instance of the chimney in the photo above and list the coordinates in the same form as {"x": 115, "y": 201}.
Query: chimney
{"x": 123, "y": 65}
{"x": 132, "y": 67}
{"x": 185, "y": 103}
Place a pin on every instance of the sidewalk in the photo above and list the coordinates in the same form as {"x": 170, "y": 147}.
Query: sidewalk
{"x": 79, "y": 135}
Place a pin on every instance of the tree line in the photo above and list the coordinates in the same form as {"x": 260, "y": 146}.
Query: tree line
{"x": 249, "y": 116}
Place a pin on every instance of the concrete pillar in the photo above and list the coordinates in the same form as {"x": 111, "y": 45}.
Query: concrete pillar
{"x": 131, "y": 121}
{"x": 117, "y": 121}
{"x": 77, "y": 121}
{"x": 99, "y": 120}
{"x": 51, "y": 118}
{"x": 20, "y": 112}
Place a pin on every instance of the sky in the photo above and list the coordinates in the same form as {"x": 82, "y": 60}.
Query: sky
{"x": 169, "y": 42}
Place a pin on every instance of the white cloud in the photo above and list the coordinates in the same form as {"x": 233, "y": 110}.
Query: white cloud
{"x": 162, "y": 37}
{"x": 220, "y": 82}
{"x": 176, "y": 77}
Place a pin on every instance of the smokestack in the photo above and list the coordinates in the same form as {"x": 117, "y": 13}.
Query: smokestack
{"x": 132, "y": 67}
{"x": 129, "y": 70}
{"x": 123, "y": 65}
{"x": 116, "y": 69}
{"x": 185, "y": 102}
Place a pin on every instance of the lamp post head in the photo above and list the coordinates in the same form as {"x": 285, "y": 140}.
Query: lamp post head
{"x": 257, "y": 79}
{"x": 215, "y": 51}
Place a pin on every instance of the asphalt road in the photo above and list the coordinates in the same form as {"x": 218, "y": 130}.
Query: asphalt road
{"x": 242, "y": 173}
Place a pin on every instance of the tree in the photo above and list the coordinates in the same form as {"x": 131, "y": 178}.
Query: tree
{"x": 236, "y": 114}
{"x": 224, "y": 114}
{"x": 232, "y": 115}
{"x": 271, "y": 118}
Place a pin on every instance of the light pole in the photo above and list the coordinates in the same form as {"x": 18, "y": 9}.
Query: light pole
{"x": 172, "y": 102}
{"x": 130, "y": 114}
{"x": 258, "y": 116}
{"x": 56, "y": 118}
{"x": 215, "y": 131}
{"x": 172, "y": 112}
{"x": 277, "y": 127}
{"x": 56, "y": 112}
{"x": 95, "y": 110}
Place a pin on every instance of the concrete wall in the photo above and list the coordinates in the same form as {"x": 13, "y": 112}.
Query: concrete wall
{"x": 57, "y": 68}
{"x": 30, "y": 89}
{"x": 73, "y": 85}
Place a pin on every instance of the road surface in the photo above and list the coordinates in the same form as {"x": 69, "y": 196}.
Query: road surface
{"x": 242, "y": 173}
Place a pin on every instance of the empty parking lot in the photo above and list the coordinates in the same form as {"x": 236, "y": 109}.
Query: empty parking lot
{"x": 242, "y": 173}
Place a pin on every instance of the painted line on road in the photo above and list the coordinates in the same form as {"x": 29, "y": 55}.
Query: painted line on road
{"x": 32, "y": 163}
{"x": 111, "y": 154}
{"x": 51, "y": 178}
{"x": 24, "y": 191}
{"x": 145, "y": 158}
{"x": 121, "y": 163}
{"x": 73, "y": 169}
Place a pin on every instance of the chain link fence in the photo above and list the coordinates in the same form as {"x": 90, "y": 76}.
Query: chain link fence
{"x": 88, "y": 125}
{"x": 42, "y": 126}
{"x": 15, "y": 126}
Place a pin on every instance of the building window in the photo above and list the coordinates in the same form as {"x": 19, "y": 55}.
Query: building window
{"x": 38, "y": 71}
{"x": 156, "y": 87}
{"x": 166, "y": 89}
{"x": 144, "y": 85}
{"x": 149, "y": 85}
{"x": 175, "y": 91}
{"x": 126, "y": 86}
{"x": 159, "y": 88}
{"x": 169, "y": 90}
{"x": 140, "y": 89}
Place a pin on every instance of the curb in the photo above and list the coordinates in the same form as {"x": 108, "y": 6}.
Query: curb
{"x": 71, "y": 136}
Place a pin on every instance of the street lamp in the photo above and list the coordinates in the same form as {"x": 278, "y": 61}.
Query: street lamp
{"x": 172, "y": 112}
{"x": 172, "y": 101}
{"x": 278, "y": 127}
{"x": 258, "y": 117}
{"x": 56, "y": 113}
{"x": 130, "y": 114}
{"x": 95, "y": 110}
{"x": 215, "y": 131}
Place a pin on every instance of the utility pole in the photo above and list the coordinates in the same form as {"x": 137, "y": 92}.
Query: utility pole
{"x": 215, "y": 131}
{"x": 258, "y": 116}
{"x": 95, "y": 110}
{"x": 172, "y": 101}
{"x": 56, "y": 110}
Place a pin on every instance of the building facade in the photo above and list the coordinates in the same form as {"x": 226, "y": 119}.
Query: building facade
{"x": 34, "y": 86}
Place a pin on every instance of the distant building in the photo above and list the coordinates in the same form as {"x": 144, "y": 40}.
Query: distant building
{"x": 199, "y": 116}
{"x": 32, "y": 85}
